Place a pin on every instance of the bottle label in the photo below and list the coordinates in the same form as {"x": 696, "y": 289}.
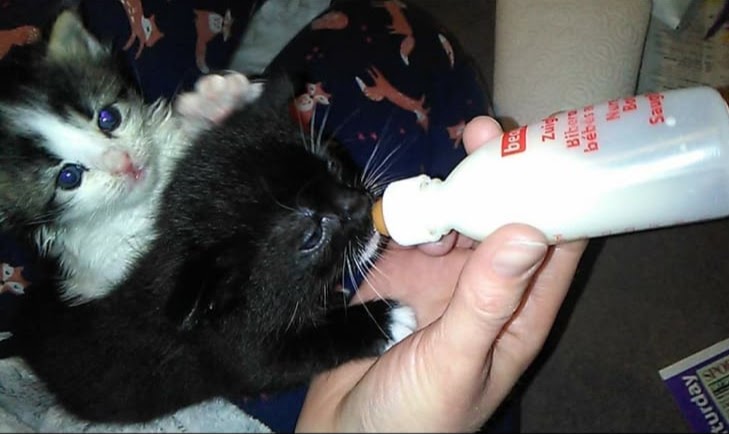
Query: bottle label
{"x": 580, "y": 129}
{"x": 513, "y": 142}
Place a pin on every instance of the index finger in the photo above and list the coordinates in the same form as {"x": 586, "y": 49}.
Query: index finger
{"x": 478, "y": 131}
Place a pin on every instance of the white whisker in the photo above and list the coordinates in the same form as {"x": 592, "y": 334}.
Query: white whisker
{"x": 379, "y": 171}
{"x": 312, "y": 124}
{"x": 354, "y": 285}
{"x": 336, "y": 131}
{"x": 321, "y": 129}
{"x": 376, "y": 188}
{"x": 293, "y": 316}
{"x": 364, "y": 265}
{"x": 301, "y": 129}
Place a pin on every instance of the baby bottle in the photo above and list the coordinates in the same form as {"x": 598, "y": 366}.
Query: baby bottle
{"x": 630, "y": 164}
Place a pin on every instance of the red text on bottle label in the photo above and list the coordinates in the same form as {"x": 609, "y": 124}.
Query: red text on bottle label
{"x": 513, "y": 142}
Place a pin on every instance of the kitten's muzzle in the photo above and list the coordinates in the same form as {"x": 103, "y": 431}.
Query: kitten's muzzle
{"x": 120, "y": 163}
{"x": 354, "y": 205}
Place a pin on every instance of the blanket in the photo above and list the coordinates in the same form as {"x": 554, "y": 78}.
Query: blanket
{"x": 26, "y": 406}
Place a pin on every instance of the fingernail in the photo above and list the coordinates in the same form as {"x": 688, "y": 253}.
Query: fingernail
{"x": 517, "y": 257}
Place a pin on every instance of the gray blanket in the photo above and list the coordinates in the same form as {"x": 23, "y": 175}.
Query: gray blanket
{"x": 26, "y": 406}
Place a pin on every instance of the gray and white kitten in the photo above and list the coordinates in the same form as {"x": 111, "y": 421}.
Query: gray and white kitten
{"x": 84, "y": 161}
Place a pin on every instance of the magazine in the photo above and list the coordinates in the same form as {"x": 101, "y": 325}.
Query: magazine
{"x": 700, "y": 385}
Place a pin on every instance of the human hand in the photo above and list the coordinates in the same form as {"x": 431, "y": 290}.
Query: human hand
{"x": 486, "y": 310}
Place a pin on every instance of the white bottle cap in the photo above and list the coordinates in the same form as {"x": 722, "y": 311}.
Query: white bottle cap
{"x": 408, "y": 211}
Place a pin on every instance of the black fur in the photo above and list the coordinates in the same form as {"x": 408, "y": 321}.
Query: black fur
{"x": 236, "y": 296}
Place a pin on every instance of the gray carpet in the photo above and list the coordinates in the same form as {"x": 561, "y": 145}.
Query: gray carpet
{"x": 640, "y": 302}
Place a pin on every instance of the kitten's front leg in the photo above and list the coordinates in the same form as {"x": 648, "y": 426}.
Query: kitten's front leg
{"x": 214, "y": 98}
{"x": 402, "y": 325}
{"x": 348, "y": 333}
{"x": 372, "y": 327}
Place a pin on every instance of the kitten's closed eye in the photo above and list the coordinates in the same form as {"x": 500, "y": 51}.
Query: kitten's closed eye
{"x": 313, "y": 236}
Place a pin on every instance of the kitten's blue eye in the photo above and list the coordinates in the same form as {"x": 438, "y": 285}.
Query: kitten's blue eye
{"x": 109, "y": 119}
{"x": 70, "y": 176}
{"x": 313, "y": 237}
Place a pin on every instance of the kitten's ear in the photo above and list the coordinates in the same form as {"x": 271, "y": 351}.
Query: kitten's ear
{"x": 200, "y": 292}
{"x": 192, "y": 293}
{"x": 69, "y": 40}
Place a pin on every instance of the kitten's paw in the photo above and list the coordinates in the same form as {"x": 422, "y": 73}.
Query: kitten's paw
{"x": 402, "y": 324}
{"x": 216, "y": 96}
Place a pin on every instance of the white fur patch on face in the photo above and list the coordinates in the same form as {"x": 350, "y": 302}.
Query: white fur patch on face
{"x": 62, "y": 139}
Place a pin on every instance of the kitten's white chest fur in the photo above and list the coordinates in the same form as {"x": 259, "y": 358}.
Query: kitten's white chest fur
{"x": 98, "y": 255}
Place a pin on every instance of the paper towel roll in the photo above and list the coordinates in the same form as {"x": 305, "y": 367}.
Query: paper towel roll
{"x": 561, "y": 54}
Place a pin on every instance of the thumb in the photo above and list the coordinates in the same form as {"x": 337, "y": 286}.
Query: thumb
{"x": 453, "y": 354}
{"x": 489, "y": 291}
{"x": 437, "y": 378}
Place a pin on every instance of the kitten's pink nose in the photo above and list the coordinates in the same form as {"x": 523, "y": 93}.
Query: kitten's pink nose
{"x": 119, "y": 162}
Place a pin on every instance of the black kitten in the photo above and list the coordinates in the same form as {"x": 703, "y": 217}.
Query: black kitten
{"x": 237, "y": 295}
